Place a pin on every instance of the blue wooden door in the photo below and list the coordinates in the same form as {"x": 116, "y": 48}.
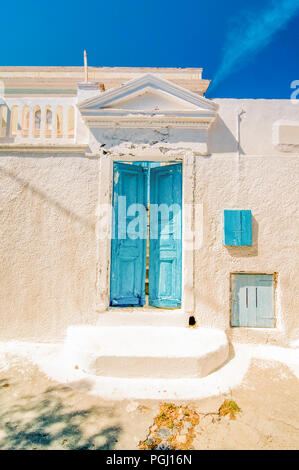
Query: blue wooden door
{"x": 252, "y": 300}
{"x": 129, "y": 235}
{"x": 165, "y": 245}
{"x": 148, "y": 165}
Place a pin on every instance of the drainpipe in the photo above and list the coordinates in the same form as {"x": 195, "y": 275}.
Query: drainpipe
{"x": 85, "y": 68}
{"x": 240, "y": 114}
{"x": 241, "y": 111}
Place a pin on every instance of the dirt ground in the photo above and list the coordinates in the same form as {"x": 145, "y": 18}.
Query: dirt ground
{"x": 38, "y": 413}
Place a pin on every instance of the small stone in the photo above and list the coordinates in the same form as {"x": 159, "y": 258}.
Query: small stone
{"x": 143, "y": 408}
{"x": 150, "y": 440}
{"x": 164, "y": 433}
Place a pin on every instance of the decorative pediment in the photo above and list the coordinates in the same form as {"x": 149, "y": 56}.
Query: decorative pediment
{"x": 148, "y": 101}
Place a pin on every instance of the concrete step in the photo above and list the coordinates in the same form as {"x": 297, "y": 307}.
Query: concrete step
{"x": 143, "y": 316}
{"x": 145, "y": 351}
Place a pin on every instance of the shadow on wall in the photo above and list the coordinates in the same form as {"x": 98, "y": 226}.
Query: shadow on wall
{"x": 25, "y": 184}
{"x": 45, "y": 422}
{"x": 246, "y": 251}
{"x": 221, "y": 139}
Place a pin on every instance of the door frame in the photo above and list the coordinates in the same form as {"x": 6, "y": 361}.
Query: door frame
{"x": 104, "y": 221}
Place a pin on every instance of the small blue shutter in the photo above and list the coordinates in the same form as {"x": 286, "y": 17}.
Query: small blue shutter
{"x": 237, "y": 228}
{"x": 246, "y": 229}
{"x": 252, "y": 300}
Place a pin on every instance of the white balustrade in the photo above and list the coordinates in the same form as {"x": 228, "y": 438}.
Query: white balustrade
{"x": 33, "y": 132}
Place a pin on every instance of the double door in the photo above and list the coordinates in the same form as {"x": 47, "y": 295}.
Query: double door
{"x": 138, "y": 189}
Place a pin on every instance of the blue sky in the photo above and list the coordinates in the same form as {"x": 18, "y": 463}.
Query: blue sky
{"x": 250, "y": 49}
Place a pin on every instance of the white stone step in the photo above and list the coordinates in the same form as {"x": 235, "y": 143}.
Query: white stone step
{"x": 144, "y": 316}
{"x": 145, "y": 351}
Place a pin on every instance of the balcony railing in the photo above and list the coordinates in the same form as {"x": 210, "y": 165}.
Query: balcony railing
{"x": 37, "y": 121}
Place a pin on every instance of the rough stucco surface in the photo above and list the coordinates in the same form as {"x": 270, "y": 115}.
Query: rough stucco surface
{"x": 49, "y": 254}
{"x": 48, "y": 262}
{"x": 256, "y": 127}
{"x": 269, "y": 187}
{"x": 264, "y": 180}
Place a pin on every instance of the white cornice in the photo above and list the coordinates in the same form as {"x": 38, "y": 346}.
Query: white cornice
{"x": 149, "y": 122}
{"x": 129, "y": 113}
{"x": 31, "y": 148}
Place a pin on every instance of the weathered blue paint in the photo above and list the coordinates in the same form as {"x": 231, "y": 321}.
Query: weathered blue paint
{"x": 165, "y": 257}
{"x": 252, "y": 300}
{"x": 237, "y": 228}
{"x": 246, "y": 228}
{"x": 148, "y": 165}
{"x": 128, "y": 253}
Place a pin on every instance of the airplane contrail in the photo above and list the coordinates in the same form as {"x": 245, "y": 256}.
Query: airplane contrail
{"x": 252, "y": 33}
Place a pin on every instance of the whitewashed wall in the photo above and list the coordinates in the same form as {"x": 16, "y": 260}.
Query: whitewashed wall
{"x": 48, "y": 251}
{"x": 49, "y": 254}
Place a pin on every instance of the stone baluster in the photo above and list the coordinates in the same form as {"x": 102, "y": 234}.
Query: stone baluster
{"x": 54, "y": 129}
{"x": 31, "y": 121}
{"x": 65, "y": 122}
{"x": 20, "y": 118}
{"x": 43, "y": 121}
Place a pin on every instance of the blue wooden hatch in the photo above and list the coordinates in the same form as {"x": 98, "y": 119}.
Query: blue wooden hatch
{"x": 237, "y": 228}
{"x": 252, "y": 300}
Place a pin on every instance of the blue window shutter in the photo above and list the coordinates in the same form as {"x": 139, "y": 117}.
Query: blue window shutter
{"x": 232, "y": 228}
{"x": 264, "y": 300}
{"x": 252, "y": 300}
{"x": 237, "y": 227}
{"x": 246, "y": 230}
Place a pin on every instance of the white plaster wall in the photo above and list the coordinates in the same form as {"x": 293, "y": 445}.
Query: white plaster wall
{"x": 269, "y": 187}
{"x": 50, "y": 256}
{"x": 264, "y": 179}
{"x": 47, "y": 251}
{"x": 256, "y": 128}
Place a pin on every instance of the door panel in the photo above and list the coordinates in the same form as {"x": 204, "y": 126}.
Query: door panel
{"x": 165, "y": 259}
{"x": 128, "y": 244}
